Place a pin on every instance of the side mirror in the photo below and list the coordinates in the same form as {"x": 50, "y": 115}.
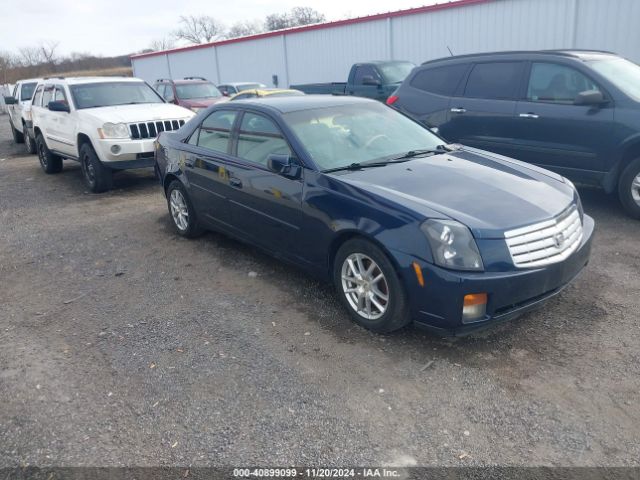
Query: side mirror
{"x": 10, "y": 100}
{"x": 59, "y": 107}
{"x": 589, "y": 97}
{"x": 282, "y": 165}
{"x": 369, "y": 80}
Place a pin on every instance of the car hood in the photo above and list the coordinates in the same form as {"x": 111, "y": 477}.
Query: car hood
{"x": 143, "y": 112}
{"x": 488, "y": 193}
{"x": 201, "y": 102}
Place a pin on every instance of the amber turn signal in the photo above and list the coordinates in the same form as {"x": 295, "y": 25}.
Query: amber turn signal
{"x": 418, "y": 270}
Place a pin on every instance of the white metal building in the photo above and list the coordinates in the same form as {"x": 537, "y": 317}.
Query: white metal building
{"x": 325, "y": 52}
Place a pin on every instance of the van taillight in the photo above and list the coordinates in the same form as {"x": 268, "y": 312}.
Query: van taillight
{"x": 392, "y": 99}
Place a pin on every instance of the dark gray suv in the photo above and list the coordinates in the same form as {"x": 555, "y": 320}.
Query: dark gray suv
{"x": 574, "y": 112}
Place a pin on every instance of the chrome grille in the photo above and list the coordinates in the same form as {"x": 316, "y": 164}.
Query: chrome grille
{"x": 153, "y": 129}
{"x": 547, "y": 242}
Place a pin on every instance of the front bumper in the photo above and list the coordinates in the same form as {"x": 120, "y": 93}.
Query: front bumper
{"x": 438, "y": 305}
{"x": 132, "y": 153}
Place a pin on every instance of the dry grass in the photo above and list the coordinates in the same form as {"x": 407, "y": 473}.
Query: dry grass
{"x": 100, "y": 72}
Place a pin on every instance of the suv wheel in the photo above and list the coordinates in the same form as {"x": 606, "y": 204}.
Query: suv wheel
{"x": 97, "y": 177}
{"x": 29, "y": 143}
{"x": 181, "y": 210}
{"x": 629, "y": 188}
{"x": 17, "y": 136}
{"x": 49, "y": 162}
{"x": 369, "y": 287}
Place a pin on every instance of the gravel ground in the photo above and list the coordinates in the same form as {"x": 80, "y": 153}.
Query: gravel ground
{"x": 123, "y": 344}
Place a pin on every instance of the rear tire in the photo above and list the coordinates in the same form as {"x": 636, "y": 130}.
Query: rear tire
{"x": 29, "y": 142}
{"x": 97, "y": 177}
{"x": 49, "y": 162}
{"x": 629, "y": 188}
{"x": 369, "y": 287}
{"x": 17, "y": 136}
{"x": 183, "y": 215}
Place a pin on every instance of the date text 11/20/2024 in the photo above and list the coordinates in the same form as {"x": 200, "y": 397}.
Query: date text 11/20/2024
{"x": 362, "y": 472}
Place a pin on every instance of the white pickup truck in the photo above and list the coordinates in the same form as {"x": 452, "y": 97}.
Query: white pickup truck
{"x": 105, "y": 123}
{"x": 19, "y": 108}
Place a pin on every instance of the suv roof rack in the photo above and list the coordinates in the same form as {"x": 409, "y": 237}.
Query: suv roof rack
{"x": 195, "y": 78}
{"x": 567, "y": 52}
{"x": 164, "y": 80}
{"x": 53, "y": 76}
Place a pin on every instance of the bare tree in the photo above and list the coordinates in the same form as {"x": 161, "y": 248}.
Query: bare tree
{"x": 199, "y": 29}
{"x": 31, "y": 56}
{"x": 7, "y": 62}
{"x": 243, "y": 29}
{"x": 296, "y": 17}
{"x": 48, "y": 49}
{"x": 161, "y": 44}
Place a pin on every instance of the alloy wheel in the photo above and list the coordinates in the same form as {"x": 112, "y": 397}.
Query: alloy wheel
{"x": 179, "y": 210}
{"x": 635, "y": 189}
{"x": 365, "y": 286}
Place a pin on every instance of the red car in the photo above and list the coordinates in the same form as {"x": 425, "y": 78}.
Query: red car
{"x": 194, "y": 93}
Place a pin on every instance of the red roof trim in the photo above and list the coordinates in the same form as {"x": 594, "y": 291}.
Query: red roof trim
{"x": 319, "y": 26}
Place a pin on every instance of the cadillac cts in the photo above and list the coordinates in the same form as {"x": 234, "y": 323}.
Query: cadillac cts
{"x": 407, "y": 228}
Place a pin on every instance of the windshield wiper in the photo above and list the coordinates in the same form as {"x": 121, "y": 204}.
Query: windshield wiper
{"x": 355, "y": 166}
{"x": 440, "y": 149}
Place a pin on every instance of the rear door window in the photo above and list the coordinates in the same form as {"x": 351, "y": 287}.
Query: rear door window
{"x": 550, "y": 82}
{"x": 440, "y": 80}
{"x": 496, "y": 80}
{"x": 215, "y": 131}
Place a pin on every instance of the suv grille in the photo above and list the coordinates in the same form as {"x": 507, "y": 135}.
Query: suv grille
{"x": 153, "y": 129}
{"x": 547, "y": 242}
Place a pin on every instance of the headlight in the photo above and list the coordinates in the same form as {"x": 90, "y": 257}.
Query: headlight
{"x": 576, "y": 195}
{"x": 114, "y": 130}
{"x": 196, "y": 109}
{"x": 452, "y": 245}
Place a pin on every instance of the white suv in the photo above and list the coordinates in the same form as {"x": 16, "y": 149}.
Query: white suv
{"x": 105, "y": 123}
{"x": 19, "y": 107}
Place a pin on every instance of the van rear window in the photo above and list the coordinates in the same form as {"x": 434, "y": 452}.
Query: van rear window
{"x": 440, "y": 80}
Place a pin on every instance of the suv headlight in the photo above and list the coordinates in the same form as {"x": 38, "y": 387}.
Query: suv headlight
{"x": 577, "y": 198}
{"x": 452, "y": 245}
{"x": 114, "y": 130}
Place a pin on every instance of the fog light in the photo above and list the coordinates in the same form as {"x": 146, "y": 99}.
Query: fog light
{"x": 115, "y": 149}
{"x": 474, "y": 307}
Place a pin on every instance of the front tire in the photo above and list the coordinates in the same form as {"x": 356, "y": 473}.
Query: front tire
{"x": 49, "y": 162}
{"x": 17, "y": 136}
{"x": 629, "y": 188}
{"x": 183, "y": 215}
{"x": 369, "y": 287}
{"x": 97, "y": 177}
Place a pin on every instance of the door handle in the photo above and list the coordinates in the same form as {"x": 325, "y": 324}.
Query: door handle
{"x": 458, "y": 110}
{"x": 529, "y": 115}
{"x": 235, "y": 182}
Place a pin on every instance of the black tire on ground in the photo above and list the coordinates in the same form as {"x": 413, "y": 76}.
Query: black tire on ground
{"x": 396, "y": 314}
{"x": 17, "y": 136}
{"x": 183, "y": 215}
{"x": 49, "y": 162}
{"x": 97, "y": 177}
{"x": 629, "y": 188}
{"x": 29, "y": 142}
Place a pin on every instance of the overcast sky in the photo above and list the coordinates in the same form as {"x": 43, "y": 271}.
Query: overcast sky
{"x": 115, "y": 27}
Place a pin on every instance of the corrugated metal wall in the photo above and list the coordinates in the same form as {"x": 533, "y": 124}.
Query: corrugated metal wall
{"x": 325, "y": 55}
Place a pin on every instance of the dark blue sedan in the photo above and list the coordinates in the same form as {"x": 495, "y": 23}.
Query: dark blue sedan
{"x": 406, "y": 227}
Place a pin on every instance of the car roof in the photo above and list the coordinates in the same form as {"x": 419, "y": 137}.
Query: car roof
{"x": 296, "y": 103}
{"x": 523, "y": 55}
{"x": 237, "y": 84}
{"x": 85, "y": 80}
{"x": 29, "y": 80}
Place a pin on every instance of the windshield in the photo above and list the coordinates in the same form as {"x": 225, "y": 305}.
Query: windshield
{"x": 109, "y": 94}
{"x": 197, "y": 90}
{"x": 622, "y": 73}
{"x": 249, "y": 86}
{"x": 396, "y": 72}
{"x": 26, "y": 92}
{"x": 338, "y": 136}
